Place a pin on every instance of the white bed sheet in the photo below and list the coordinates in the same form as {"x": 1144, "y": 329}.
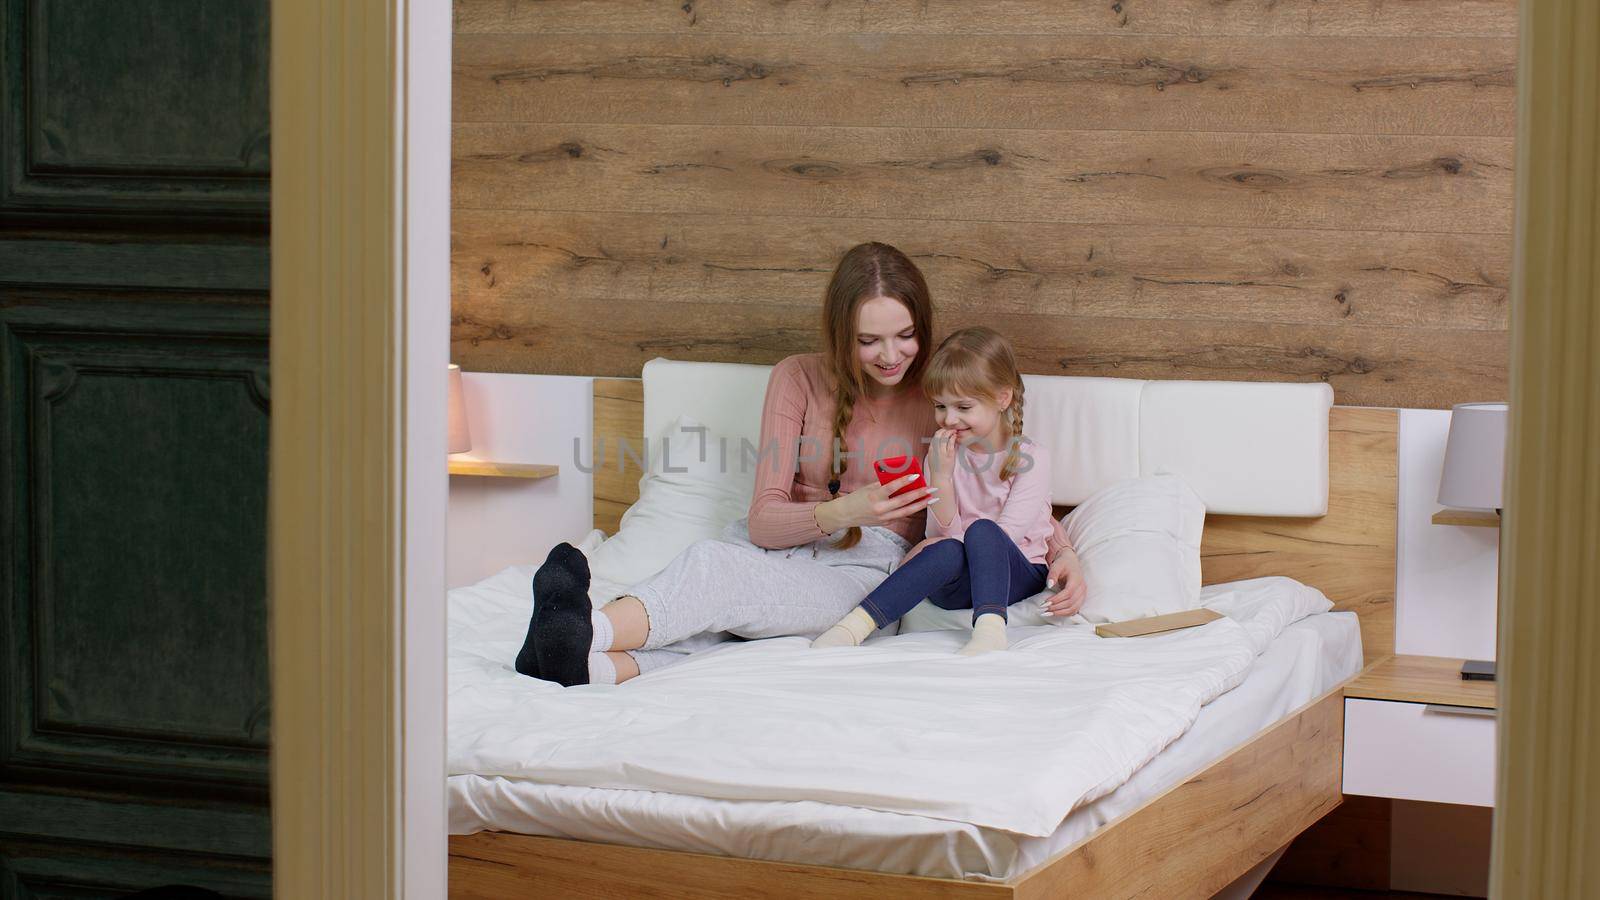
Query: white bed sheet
{"x": 885, "y": 726}
{"x": 1306, "y": 660}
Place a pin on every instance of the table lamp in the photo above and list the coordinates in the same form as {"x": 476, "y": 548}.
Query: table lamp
{"x": 1473, "y": 478}
{"x": 460, "y": 435}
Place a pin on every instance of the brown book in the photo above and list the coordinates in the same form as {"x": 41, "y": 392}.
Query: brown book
{"x": 1157, "y": 624}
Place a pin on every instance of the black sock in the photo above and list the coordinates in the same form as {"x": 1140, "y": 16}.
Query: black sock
{"x": 561, "y": 629}
{"x": 528, "y": 657}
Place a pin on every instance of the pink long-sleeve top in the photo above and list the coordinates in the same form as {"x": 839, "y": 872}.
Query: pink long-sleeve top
{"x": 1020, "y": 505}
{"x": 797, "y": 427}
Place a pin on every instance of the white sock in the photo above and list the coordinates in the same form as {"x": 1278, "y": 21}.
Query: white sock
{"x": 603, "y": 634}
{"x": 988, "y": 633}
{"x": 601, "y": 669}
{"x": 849, "y": 632}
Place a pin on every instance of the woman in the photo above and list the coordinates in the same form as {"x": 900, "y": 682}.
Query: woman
{"x": 821, "y": 532}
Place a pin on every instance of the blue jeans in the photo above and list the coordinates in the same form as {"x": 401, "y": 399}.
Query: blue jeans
{"x": 984, "y": 572}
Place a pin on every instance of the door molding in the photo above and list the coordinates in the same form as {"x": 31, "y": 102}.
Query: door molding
{"x": 1547, "y": 804}
{"x": 360, "y": 225}
{"x": 73, "y": 718}
{"x": 67, "y": 157}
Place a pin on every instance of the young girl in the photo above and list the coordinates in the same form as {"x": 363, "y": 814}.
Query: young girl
{"x": 987, "y": 538}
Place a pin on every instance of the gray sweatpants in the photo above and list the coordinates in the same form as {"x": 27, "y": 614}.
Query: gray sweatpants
{"x": 728, "y": 588}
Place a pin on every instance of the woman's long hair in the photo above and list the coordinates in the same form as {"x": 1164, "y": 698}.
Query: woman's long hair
{"x": 867, "y": 271}
{"x": 979, "y": 362}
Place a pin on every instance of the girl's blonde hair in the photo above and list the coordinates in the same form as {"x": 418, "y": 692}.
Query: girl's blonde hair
{"x": 866, "y": 271}
{"x": 979, "y": 362}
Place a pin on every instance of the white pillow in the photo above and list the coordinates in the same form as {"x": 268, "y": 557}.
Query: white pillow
{"x": 1139, "y": 540}
{"x": 682, "y": 499}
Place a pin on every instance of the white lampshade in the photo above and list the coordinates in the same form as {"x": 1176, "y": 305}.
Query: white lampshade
{"x": 1474, "y": 457}
{"x": 460, "y": 435}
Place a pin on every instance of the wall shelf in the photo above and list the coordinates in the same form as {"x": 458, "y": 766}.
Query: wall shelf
{"x": 491, "y": 469}
{"x": 1481, "y": 517}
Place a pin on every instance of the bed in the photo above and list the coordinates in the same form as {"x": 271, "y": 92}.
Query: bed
{"x": 1259, "y": 764}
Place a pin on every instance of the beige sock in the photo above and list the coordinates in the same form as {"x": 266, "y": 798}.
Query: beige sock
{"x": 849, "y": 632}
{"x": 988, "y": 633}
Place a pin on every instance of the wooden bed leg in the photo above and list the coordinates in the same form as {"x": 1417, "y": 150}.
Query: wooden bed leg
{"x": 1349, "y": 848}
{"x": 1244, "y": 887}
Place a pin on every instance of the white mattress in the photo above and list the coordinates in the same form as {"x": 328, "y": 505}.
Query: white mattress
{"x": 1305, "y": 660}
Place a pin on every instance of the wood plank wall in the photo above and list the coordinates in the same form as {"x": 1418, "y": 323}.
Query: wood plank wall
{"x": 1240, "y": 189}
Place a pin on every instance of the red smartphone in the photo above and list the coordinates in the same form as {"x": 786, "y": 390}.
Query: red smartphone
{"x": 891, "y": 467}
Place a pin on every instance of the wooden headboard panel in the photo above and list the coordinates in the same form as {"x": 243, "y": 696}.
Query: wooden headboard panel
{"x": 1348, "y": 554}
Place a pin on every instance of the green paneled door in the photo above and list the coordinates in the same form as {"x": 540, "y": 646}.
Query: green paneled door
{"x": 146, "y": 111}
{"x": 134, "y": 407}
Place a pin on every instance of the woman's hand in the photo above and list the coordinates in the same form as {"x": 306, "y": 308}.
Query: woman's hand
{"x": 1066, "y": 577}
{"x": 872, "y": 505}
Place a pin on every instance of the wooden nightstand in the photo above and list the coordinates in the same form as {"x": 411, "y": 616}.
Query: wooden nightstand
{"x": 1413, "y": 730}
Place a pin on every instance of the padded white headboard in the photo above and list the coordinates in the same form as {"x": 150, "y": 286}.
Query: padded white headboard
{"x": 1248, "y": 448}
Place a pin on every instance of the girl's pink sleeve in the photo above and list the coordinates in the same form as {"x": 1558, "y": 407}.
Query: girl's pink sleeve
{"x": 1029, "y": 497}
{"x": 777, "y": 520}
{"x": 956, "y": 528}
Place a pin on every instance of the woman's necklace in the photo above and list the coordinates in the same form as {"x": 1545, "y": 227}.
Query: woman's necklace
{"x": 871, "y": 410}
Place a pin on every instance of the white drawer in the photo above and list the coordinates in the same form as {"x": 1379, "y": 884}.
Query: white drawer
{"x": 1415, "y": 751}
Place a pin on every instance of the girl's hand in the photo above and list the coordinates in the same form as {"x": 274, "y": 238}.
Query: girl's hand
{"x": 872, "y": 505}
{"x": 942, "y": 454}
{"x": 1066, "y": 576}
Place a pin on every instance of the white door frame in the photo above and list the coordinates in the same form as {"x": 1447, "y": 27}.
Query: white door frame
{"x": 426, "y": 85}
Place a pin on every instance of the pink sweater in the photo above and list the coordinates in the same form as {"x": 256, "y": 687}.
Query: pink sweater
{"x": 797, "y": 423}
{"x": 1020, "y": 506}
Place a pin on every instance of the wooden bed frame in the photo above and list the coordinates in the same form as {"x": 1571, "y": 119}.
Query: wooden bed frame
{"x": 1191, "y": 841}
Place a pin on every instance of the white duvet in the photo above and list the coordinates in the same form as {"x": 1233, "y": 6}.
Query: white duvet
{"x": 1012, "y": 740}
